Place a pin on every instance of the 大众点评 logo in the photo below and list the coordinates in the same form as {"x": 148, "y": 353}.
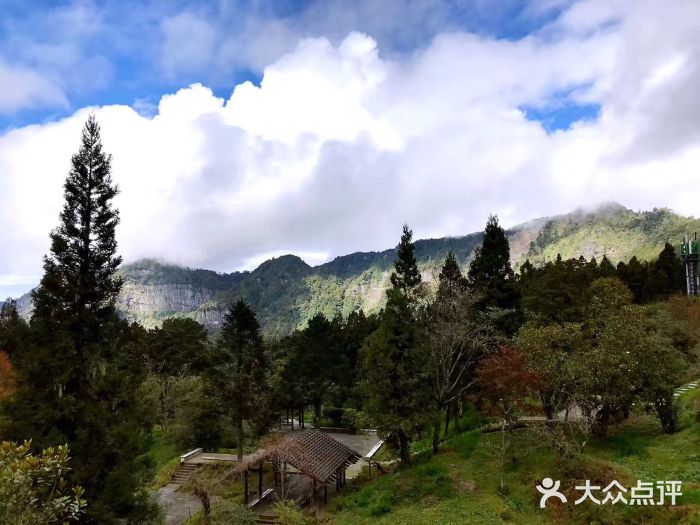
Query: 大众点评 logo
{"x": 643, "y": 493}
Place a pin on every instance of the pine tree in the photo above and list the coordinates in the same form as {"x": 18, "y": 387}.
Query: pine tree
{"x": 241, "y": 377}
{"x": 397, "y": 393}
{"x": 450, "y": 278}
{"x": 77, "y": 381}
{"x": 491, "y": 275}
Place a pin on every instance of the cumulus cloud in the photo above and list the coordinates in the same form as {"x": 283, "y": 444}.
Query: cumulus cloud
{"x": 339, "y": 144}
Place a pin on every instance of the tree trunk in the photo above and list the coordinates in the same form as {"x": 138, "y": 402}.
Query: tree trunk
{"x": 447, "y": 418}
{"x": 602, "y": 421}
{"x": 404, "y": 450}
{"x": 240, "y": 438}
{"x": 317, "y": 413}
{"x": 458, "y": 416}
{"x": 436, "y": 435}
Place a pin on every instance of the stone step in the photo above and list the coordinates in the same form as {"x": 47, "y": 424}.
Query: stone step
{"x": 184, "y": 472}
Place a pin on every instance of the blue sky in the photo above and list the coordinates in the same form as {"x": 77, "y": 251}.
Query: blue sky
{"x": 116, "y": 52}
{"x": 245, "y": 129}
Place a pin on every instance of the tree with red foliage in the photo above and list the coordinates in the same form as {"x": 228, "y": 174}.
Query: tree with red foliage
{"x": 7, "y": 376}
{"x": 505, "y": 380}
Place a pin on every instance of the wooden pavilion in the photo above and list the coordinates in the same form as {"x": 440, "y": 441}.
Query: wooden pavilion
{"x": 317, "y": 460}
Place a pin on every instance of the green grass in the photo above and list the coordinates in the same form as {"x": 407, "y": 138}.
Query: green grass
{"x": 163, "y": 457}
{"x": 462, "y": 483}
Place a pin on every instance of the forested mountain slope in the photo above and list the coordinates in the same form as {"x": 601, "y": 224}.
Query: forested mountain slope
{"x": 285, "y": 291}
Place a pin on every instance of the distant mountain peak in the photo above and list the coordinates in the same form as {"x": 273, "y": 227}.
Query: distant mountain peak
{"x": 289, "y": 263}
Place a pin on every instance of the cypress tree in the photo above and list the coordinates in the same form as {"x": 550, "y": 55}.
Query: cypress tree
{"x": 397, "y": 396}
{"x": 491, "y": 276}
{"x": 77, "y": 381}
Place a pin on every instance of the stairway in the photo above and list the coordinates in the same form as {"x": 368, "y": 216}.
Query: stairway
{"x": 184, "y": 473}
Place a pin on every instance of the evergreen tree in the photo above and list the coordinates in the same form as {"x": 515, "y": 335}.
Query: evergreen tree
{"x": 77, "y": 384}
{"x": 666, "y": 275}
{"x": 356, "y": 329}
{"x": 317, "y": 356}
{"x": 606, "y": 268}
{"x": 451, "y": 278}
{"x": 491, "y": 276}
{"x": 397, "y": 393}
{"x": 179, "y": 346}
{"x": 13, "y": 329}
{"x": 241, "y": 377}
{"x": 635, "y": 275}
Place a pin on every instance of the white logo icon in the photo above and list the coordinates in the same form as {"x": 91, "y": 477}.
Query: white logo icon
{"x": 549, "y": 489}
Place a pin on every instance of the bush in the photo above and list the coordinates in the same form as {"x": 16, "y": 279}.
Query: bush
{"x": 227, "y": 511}
{"x": 289, "y": 513}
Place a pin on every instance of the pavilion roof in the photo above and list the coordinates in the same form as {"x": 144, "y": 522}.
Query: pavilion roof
{"x": 310, "y": 451}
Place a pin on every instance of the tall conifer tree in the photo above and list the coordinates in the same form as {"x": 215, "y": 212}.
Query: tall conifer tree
{"x": 77, "y": 383}
{"x": 242, "y": 373}
{"x": 491, "y": 276}
{"x": 396, "y": 388}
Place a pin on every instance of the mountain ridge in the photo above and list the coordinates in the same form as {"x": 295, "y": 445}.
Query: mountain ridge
{"x": 285, "y": 291}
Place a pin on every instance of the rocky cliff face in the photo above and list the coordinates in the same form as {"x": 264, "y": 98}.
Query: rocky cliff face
{"x": 150, "y": 303}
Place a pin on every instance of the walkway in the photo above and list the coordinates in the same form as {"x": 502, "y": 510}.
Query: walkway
{"x": 685, "y": 388}
{"x": 178, "y": 506}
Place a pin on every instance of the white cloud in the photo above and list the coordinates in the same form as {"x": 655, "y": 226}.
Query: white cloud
{"x": 188, "y": 43}
{"x": 339, "y": 145}
{"x": 25, "y": 88}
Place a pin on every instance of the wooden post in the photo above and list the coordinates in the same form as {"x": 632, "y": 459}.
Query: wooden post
{"x": 282, "y": 480}
{"x": 245, "y": 492}
{"x": 325, "y": 494}
{"x": 260, "y": 476}
{"x": 314, "y": 496}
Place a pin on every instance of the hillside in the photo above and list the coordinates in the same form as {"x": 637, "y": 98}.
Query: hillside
{"x": 285, "y": 291}
{"x": 462, "y": 484}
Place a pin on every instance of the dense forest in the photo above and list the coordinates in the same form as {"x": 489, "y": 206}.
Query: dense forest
{"x": 85, "y": 395}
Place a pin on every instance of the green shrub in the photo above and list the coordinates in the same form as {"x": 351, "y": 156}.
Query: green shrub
{"x": 289, "y": 513}
{"x": 228, "y": 511}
